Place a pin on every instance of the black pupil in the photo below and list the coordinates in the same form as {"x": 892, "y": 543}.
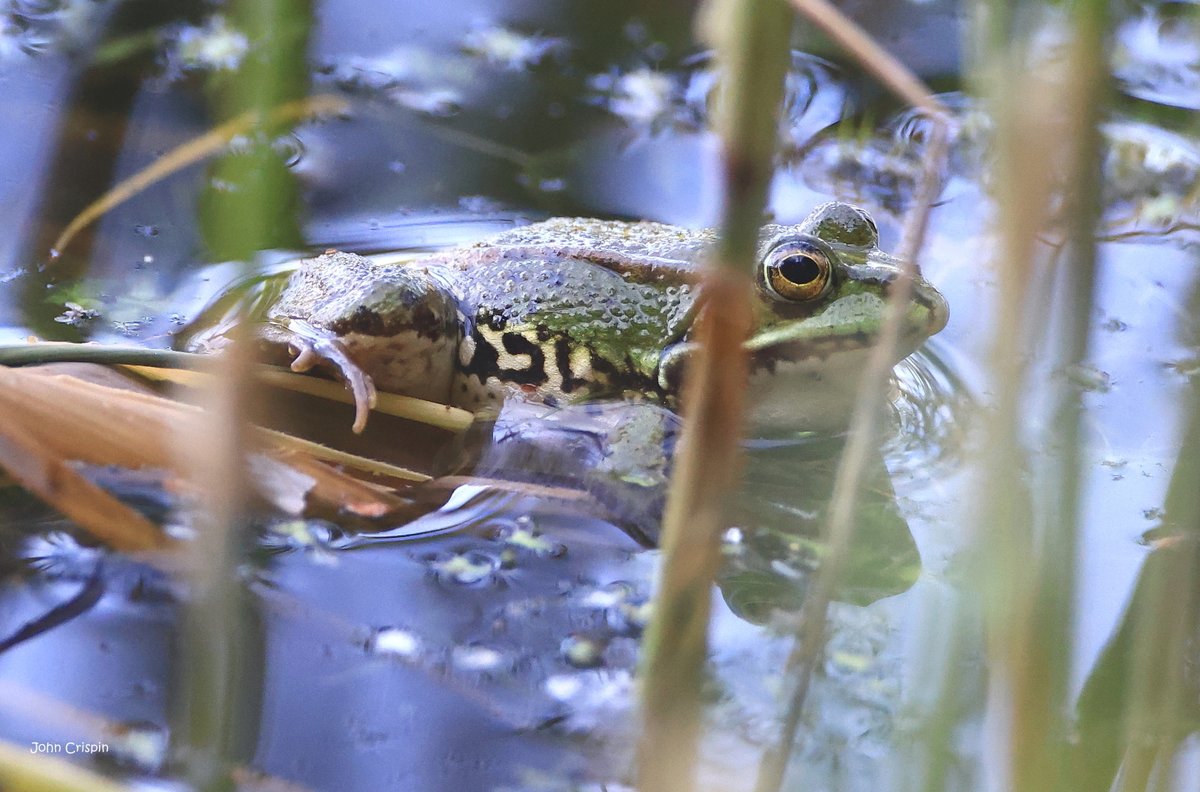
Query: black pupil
{"x": 799, "y": 269}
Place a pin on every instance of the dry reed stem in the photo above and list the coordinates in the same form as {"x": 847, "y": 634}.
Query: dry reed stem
{"x": 183, "y": 368}
{"x": 103, "y": 425}
{"x": 674, "y": 651}
{"x": 838, "y": 531}
{"x": 1042, "y": 125}
{"x": 751, "y": 44}
{"x": 443, "y": 416}
{"x": 190, "y": 153}
{"x": 53, "y": 418}
{"x": 333, "y": 456}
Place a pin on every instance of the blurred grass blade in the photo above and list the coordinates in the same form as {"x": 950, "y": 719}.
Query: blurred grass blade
{"x": 1047, "y": 111}
{"x": 221, "y": 647}
{"x": 1139, "y": 703}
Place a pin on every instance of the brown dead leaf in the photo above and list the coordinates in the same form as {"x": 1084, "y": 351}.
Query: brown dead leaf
{"x": 51, "y": 419}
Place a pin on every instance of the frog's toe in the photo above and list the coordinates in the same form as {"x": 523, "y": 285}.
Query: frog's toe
{"x": 331, "y": 351}
{"x": 305, "y": 359}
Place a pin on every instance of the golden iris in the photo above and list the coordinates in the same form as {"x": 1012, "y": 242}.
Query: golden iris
{"x": 798, "y": 272}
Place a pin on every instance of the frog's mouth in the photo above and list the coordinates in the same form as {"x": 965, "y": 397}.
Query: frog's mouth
{"x": 851, "y": 325}
{"x": 825, "y": 351}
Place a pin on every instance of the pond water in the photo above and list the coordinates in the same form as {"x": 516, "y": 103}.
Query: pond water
{"x": 492, "y": 645}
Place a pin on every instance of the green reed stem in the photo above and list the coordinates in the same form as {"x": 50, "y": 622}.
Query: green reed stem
{"x": 254, "y": 208}
{"x": 1139, "y": 702}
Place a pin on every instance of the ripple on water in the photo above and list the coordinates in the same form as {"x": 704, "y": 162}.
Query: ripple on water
{"x": 931, "y": 406}
{"x": 1151, "y": 176}
{"x": 1157, "y": 54}
{"x": 681, "y": 101}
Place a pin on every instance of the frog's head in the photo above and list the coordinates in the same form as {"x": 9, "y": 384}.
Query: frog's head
{"x": 822, "y": 287}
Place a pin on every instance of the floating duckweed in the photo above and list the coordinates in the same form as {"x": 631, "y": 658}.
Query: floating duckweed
{"x": 217, "y": 46}
{"x": 852, "y": 662}
{"x": 476, "y": 658}
{"x": 511, "y": 49}
{"x": 610, "y": 596}
{"x": 396, "y": 642}
{"x": 524, "y": 536}
{"x": 312, "y": 536}
{"x": 76, "y": 315}
{"x": 636, "y": 614}
{"x": 1089, "y": 378}
{"x": 583, "y": 651}
{"x": 641, "y": 97}
{"x": 1114, "y": 325}
{"x": 139, "y": 744}
{"x": 466, "y": 568}
{"x": 563, "y": 687}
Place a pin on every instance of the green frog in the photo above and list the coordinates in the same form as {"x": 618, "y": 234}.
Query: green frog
{"x": 571, "y": 310}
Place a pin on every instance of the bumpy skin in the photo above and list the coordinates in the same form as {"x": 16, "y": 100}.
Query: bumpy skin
{"x": 574, "y": 309}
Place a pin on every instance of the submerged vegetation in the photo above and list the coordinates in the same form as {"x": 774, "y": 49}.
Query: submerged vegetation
{"x": 990, "y": 580}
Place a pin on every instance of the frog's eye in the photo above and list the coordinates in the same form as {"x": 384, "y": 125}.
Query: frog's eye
{"x": 797, "y": 272}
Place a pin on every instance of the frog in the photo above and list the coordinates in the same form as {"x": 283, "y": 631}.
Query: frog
{"x": 576, "y": 310}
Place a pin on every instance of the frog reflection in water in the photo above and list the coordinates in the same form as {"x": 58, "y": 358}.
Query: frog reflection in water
{"x": 572, "y": 310}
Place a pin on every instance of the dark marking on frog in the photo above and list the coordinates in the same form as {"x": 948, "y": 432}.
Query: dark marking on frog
{"x": 613, "y": 380}
{"x": 815, "y": 349}
{"x": 562, "y": 357}
{"x": 485, "y": 361}
{"x": 493, "y": 319}
{"x": 535, "y": 373}
{"x": 423, "y": 321}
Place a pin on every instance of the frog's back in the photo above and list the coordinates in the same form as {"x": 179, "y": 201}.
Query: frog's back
{"x": 618, "y": 244}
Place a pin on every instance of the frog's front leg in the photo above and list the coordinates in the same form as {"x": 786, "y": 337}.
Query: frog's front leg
{"x": 388, "y": 326}
{"x": 312, "y": 348}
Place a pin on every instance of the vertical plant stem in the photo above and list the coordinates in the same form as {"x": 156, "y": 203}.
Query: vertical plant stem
{"x": 751, "y": 38}
{"x": 1043, "y": 750}
{"x": 838, "y": 530}
{"x": 219, "y": 699}
{"x": 1046, "y": 118}
{"x": 1159, "y": 697}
